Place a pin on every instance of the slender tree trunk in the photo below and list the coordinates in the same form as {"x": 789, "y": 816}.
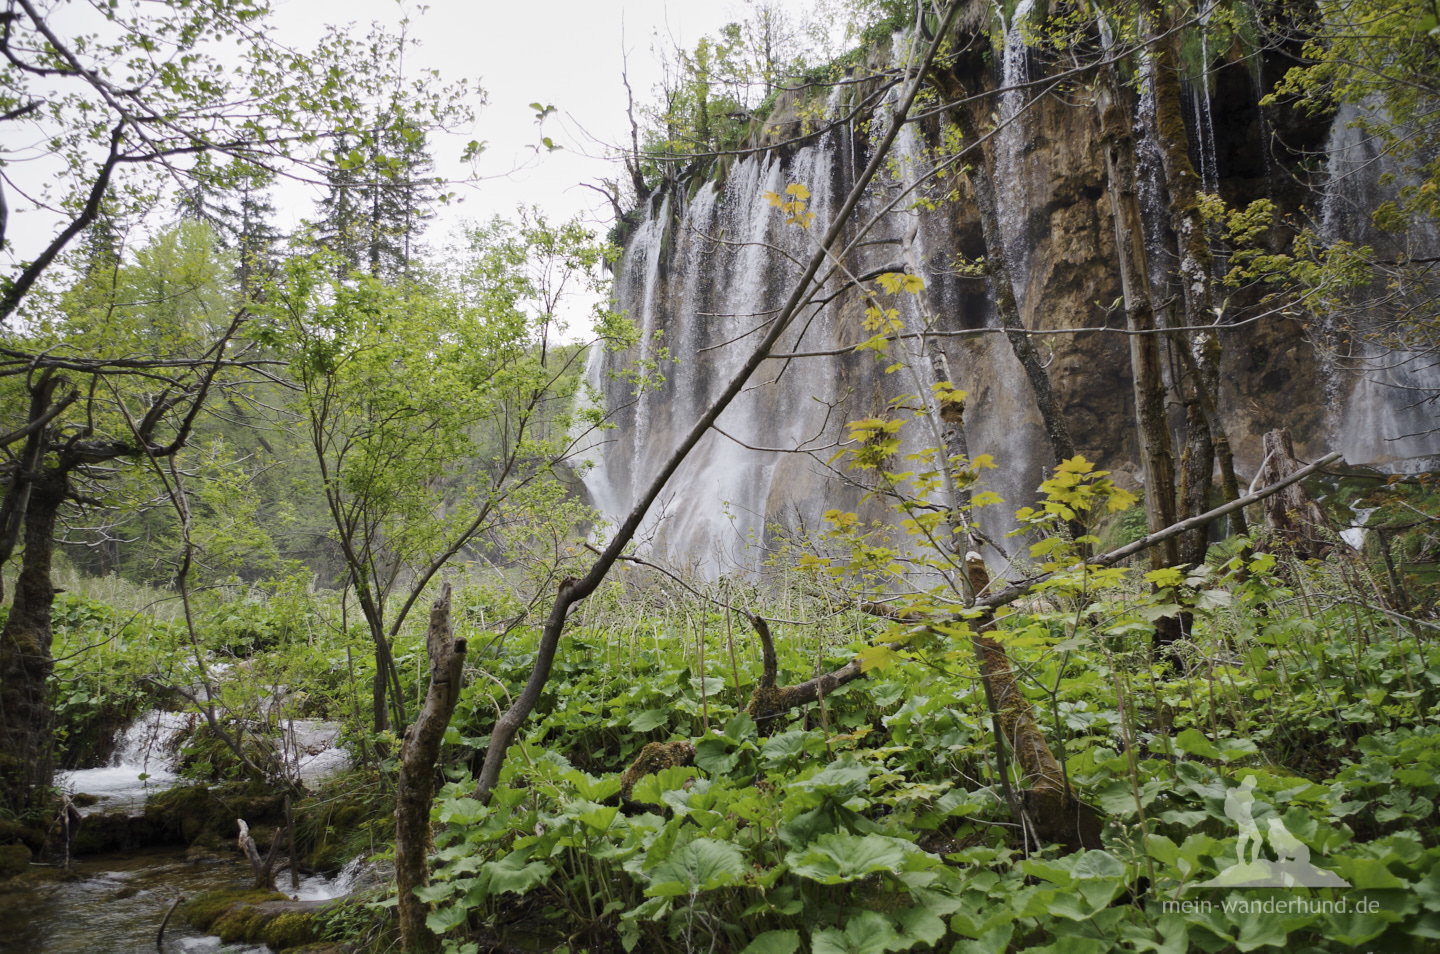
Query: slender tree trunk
{"x": 17, "y": 495}
{"x": 997, "y": 267}
{"x": 1206, "y": 440}
{"x": 1156, "y": 453}
{"x": 26, "y": 662}
{"x": 386, "y": 697}
{"x": 416, "y": 790}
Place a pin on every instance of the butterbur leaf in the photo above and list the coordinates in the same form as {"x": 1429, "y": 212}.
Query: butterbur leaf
{"x": 601, "y": 819}
{"x": 994, "y": 941}
{"x": 446, "y": 919}
{"x": 741, "y": 728}
{"x": 1195, "y": 743}
{"x": 920, "y": 925}
{"x": 774, "y": 942}
{"x": 840, "y": 779}
{"x": 840, "y": 856}
{"x": 513, "y": 873}
{"x": 650, "y": 719}
{"x": 431, "y": 893}
{"x": 714, "y": 757}
{"x": 1214, "y": 599}
{"x": 592, "y": 789}
{"x": 867, "y": 933}
{"x": 702, "y": 865}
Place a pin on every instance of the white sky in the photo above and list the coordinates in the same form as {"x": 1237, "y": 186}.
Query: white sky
{"x": 565, "y": 53}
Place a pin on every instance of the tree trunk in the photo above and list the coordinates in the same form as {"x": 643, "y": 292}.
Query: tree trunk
{"x": 1295, "y": 519}
{"x": 416, "y": 789}
{"x": 1209, "y": 443}
{"x": 25, "y": 660}
{"x": 1156, "y": 453}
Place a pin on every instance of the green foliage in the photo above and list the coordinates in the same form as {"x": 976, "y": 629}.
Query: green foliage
{"x": 881, "y": 832}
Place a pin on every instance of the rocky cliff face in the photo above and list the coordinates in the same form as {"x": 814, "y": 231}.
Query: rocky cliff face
{"x": 709, "y": 261}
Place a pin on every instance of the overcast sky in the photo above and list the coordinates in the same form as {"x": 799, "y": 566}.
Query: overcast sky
{"x": 565, "y": 53}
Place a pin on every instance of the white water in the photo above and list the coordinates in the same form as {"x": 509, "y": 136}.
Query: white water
{"x": 142, "y": 765}
{"x": 1383, "y": 404}
{"x": 1012, "y": 196}
{"x": 145, "y": 757}
{"x": 312, "y": 748}
{"x": 1355, "y": 534}
{"x": 321, "y": 888}
{"x": 711, "y": 307}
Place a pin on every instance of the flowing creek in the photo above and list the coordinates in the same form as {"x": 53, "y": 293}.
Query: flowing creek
{"x": 115, "y": 902}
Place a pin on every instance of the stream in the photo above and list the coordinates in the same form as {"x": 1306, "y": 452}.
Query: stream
{"x": 117, "y": 901}
{"x": 114, "y": 903}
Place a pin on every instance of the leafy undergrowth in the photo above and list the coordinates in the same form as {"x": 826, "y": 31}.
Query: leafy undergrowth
{"x": 875, "y": 820}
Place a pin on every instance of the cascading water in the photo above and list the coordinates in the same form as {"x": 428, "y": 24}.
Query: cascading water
{"x": 145, "y": 759}
{"x": 1383, "y": 402}
{"x": 143, "y": 763}
{"x": 710, "y": 305}
{"x": 708, "y": 263}
{"x": 1208, "y": 165}
{"x": 1012, "y": 199}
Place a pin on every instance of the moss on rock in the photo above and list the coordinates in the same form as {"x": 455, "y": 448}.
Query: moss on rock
{"x": 14, "y": 860}
{"x": 290, "y": 929}
{"x": 256, "y": 917}
{"x": 205, "y": 909}
{"x": 653, "y": 758}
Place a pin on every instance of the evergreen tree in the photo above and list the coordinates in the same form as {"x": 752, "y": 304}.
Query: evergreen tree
{"x": 234, "y": 202}
{"x": 378, "y": 199}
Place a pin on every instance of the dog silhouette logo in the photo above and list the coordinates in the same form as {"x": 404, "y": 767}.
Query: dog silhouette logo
{"x": 1291, "y": 867}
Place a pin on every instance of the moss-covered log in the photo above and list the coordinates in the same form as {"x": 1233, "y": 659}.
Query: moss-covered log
{"x": 769, "y": 701}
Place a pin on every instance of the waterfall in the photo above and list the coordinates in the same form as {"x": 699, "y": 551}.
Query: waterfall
{"x": 1012, "y": 198}
{"x": 708, "y": 263}
{"x": 1382, "y": 407}
{"x": 710, "y": 305}
{"x": 143, "y": 763}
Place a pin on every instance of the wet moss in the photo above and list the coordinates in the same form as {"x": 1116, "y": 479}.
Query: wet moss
{"x": 206, "y": 814}
{"x": 291, "y": 929}
{"x": 14, "y": 860}
{"x": 207, "y": 909}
